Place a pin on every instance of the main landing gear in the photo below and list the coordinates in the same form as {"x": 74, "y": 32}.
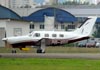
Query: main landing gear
{"x": 41, "y": 48}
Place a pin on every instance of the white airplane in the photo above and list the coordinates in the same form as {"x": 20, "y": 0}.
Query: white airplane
{"x": 43, "y": 38}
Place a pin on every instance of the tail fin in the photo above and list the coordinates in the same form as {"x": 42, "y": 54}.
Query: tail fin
{"x": 87, "y": 27}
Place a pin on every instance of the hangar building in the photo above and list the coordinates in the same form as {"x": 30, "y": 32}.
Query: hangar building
{"x": 11, "y": 24}
{"x": 51, "y": 19}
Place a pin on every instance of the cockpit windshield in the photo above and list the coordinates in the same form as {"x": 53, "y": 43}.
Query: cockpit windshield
{"x": 37, "y": 35}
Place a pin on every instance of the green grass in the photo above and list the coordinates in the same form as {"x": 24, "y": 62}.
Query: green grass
{"x": 48, "y": 64}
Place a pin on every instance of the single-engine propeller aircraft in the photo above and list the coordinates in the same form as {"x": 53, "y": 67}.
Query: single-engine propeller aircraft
{"x": 45, "y": 38}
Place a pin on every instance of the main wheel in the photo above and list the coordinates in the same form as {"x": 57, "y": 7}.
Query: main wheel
{"x": 39, "y": 51}
{"x": 13, "y": 51}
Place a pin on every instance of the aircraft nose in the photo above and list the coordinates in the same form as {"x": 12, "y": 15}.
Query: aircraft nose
{"x": 4, "y": 39}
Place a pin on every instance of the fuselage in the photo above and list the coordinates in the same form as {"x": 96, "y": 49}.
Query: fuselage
{"x": 51, "y": 37}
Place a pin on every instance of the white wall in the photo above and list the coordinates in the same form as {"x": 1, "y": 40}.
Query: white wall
{"x": 49, "y": 23}
{"x": 37, "y": 26}
{"x": 59, "y": 26}
{"x": 2, "y": 23}
{"x": 2, "y": 32}
{"x": 11, "y": 25}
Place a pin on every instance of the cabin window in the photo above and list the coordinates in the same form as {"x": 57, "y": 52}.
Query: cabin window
{"x": 46, "y": 35}
{"x": 61, "y": 35}
{"x": 54, "y": 35}
{"x": 37, "y": 35}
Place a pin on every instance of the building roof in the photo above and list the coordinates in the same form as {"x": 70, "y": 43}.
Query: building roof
{"x": 6, "y": 13}
{"x": 59, "y": 14}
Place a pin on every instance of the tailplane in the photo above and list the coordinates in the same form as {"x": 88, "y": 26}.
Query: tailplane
{"x": 87, "y": 27}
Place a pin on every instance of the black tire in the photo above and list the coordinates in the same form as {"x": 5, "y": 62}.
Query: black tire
{"x": 13, "y": 51}
{"x": 39, "y": 51}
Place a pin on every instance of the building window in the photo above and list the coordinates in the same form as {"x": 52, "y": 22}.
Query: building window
{"x": 17, "y": 31}
{"x": 46, "y": 35}
{"x": 71, "y": 26}
{"x": 31, "y": 26}
{"x": 61, "y": 35}
{"x": 62, "y": 26}
{"x": 56, "y": 26}
{"x": 41, "y": 26}
{"x": 37, "y": 34}
{"x": 54, "y": 35}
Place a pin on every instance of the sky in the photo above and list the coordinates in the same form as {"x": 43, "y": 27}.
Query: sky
{"x": 41, "y": 1}
{"x": 38, "y": 1}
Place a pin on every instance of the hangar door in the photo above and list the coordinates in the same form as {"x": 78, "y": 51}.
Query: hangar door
{"x": 2, "y": 35}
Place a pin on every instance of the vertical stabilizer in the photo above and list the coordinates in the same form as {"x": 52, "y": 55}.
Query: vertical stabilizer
{"x": 87, "y": 27}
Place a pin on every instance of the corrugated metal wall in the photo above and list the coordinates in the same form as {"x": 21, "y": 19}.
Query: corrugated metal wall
{"x": 2, "y": 35}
